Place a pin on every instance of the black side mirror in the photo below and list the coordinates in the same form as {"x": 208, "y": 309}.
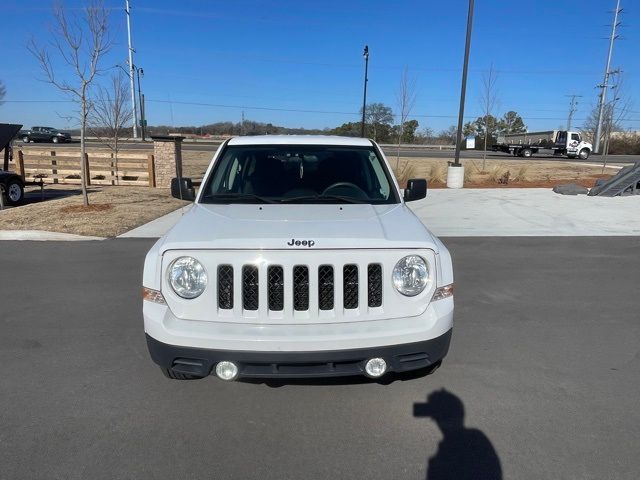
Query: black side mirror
{"x": 416, "y": 189}
{"x": 182, "y": 188}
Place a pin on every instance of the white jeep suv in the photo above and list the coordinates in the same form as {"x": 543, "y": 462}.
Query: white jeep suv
{"x": 299, "y": 258}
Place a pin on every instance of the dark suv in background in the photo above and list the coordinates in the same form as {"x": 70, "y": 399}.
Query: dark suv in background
{"x": 44, "y": 134}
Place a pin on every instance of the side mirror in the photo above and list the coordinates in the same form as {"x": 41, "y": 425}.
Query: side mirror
{"x": 416, "y": 189}
{"x": 182, "y": 188}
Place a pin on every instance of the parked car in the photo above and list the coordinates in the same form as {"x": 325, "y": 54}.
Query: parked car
{"x": 45, "y": 134}
{"x": 12, "y": 187}
{"x": 299, "y": 258}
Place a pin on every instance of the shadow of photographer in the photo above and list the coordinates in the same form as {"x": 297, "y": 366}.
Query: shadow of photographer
{"x": 464, "y": 453}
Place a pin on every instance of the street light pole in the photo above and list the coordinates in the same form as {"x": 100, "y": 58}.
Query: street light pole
{"x": 463, "y": 89}
{"x": 132, "y": 81}
{"x": 140, "y": 71}
{"x": 366, "y": 79}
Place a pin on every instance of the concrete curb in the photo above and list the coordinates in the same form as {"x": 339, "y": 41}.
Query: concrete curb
{"x": 41, "y": 235}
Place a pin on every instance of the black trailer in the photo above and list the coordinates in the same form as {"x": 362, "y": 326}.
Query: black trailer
{"x": 11, "y": 184}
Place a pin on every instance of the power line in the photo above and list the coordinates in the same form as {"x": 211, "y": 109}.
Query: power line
{"x": 300, "y": 110}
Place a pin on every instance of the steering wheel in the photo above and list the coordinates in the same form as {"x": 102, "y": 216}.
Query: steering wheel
{"x": 346, "y": 189}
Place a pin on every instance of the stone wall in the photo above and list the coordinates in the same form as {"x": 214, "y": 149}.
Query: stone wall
{"x": 168, "y": 155}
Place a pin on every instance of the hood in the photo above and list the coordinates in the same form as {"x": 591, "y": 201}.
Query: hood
{"x": 344, "y": 226}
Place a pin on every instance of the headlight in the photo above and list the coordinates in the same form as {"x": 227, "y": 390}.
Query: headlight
{"x": 187, "y": 277}
{"x": 411, "y": 275}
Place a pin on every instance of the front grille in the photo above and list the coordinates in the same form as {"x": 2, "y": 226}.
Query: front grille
{"x": 225, "y": 286}
{"x": 276, "y": 288}
{"x": 299, "y": 282}
{"x": 300, "y": 288}
{"x": 350, "y": 286}
{"x": 250, "y": 287}
{"x": 325, "y": 287}
{"x": 374, "y": 277}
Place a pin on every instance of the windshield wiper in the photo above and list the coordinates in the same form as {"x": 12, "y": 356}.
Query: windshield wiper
{"x": 241, "y": 197}
{"x": 321, "y": 198}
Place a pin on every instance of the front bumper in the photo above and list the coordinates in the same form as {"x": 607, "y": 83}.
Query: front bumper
{"x": 330, "y": 363}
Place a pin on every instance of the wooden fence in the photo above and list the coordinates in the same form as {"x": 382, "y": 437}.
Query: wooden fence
{"x": 102, "y": 168}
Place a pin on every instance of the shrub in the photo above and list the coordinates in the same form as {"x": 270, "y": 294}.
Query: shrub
{"x": 438, "y": 173}
{"x": 495, "y": 173}
{"x": 521, "y": 176}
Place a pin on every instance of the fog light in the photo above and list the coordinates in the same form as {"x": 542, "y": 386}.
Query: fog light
{"x": 375, "y": 367}
{"x": 227, "y": 370}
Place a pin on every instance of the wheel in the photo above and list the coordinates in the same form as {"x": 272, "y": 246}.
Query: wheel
{"x": 584, "y": 153}
{"x": 527, "y": 152}
{"x": 55, "y": 139}
{"x": 173, "y": 375}
{"x": 25, "y": 139}
{"x": 14, "y": 192}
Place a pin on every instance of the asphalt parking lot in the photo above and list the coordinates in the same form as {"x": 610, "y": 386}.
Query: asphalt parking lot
{"x": 542, "y": 380}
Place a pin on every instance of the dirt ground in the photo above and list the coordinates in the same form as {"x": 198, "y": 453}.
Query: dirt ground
{"x": 112, "y": 211}
{"x": 115, "y": 210}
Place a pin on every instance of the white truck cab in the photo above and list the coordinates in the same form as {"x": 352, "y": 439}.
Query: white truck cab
{"x": 298, "y": 258}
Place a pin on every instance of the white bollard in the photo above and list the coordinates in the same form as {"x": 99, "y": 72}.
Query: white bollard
{"x": 455, "y": 176}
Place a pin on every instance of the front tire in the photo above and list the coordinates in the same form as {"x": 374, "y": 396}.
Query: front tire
{"x": 526, "y": 153}
{"x": 55, "y": 139}
{"x": 584, "y": 154}
{"x": 14, "y": 191}
{"x": 25, "y": 139}
{"x": 173, "y": 375}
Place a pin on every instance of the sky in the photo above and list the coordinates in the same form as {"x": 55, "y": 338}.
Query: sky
{"x": 299, "y": 63}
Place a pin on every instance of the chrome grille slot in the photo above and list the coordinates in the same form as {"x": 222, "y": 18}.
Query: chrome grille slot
{"x": 275, "y": 276}
{"x": 225, "y": 287}
{"x": 325, "y": 287}
{"x": 300, "y": 288}
{"x": 250, "y": 285}
{"x": 374, "y": 284}
{"x": 350, "y": 285}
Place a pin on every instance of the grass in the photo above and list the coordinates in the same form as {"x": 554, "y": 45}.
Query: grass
{"x": 112, "y": 211}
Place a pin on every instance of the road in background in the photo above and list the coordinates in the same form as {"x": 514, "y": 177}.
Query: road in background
{"x": 544, "y": 361}
{"x": 416, "y": 151}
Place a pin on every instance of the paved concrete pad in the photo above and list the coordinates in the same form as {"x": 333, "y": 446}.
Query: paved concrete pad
{"x": 158, "y": 227}
{"x": 526, "y": 212}
{"x": 42, "y": 235}
{"x": 544, "y": 360}
{"x": 499, "y": 212}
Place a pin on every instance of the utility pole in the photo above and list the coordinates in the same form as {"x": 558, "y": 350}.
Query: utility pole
{"x": 140, "y": 72}
{"x": 573, "y": 106}
{"x": 463, "y": 88}
{"x": 603, "y": 87}
{"x": 365, "y": 54}
{"x": 131, "y": 78}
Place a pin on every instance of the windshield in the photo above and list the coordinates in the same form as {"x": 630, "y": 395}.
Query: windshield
{"x": 299, "y": 174}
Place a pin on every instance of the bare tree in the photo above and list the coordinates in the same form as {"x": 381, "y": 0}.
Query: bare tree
{"x": 488, "y": 100}
{"x": 406, "y": 98}
{"x": 615, "y": 113}
{"x": 111, "y": 114}
{"x": 80, "y": 41}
